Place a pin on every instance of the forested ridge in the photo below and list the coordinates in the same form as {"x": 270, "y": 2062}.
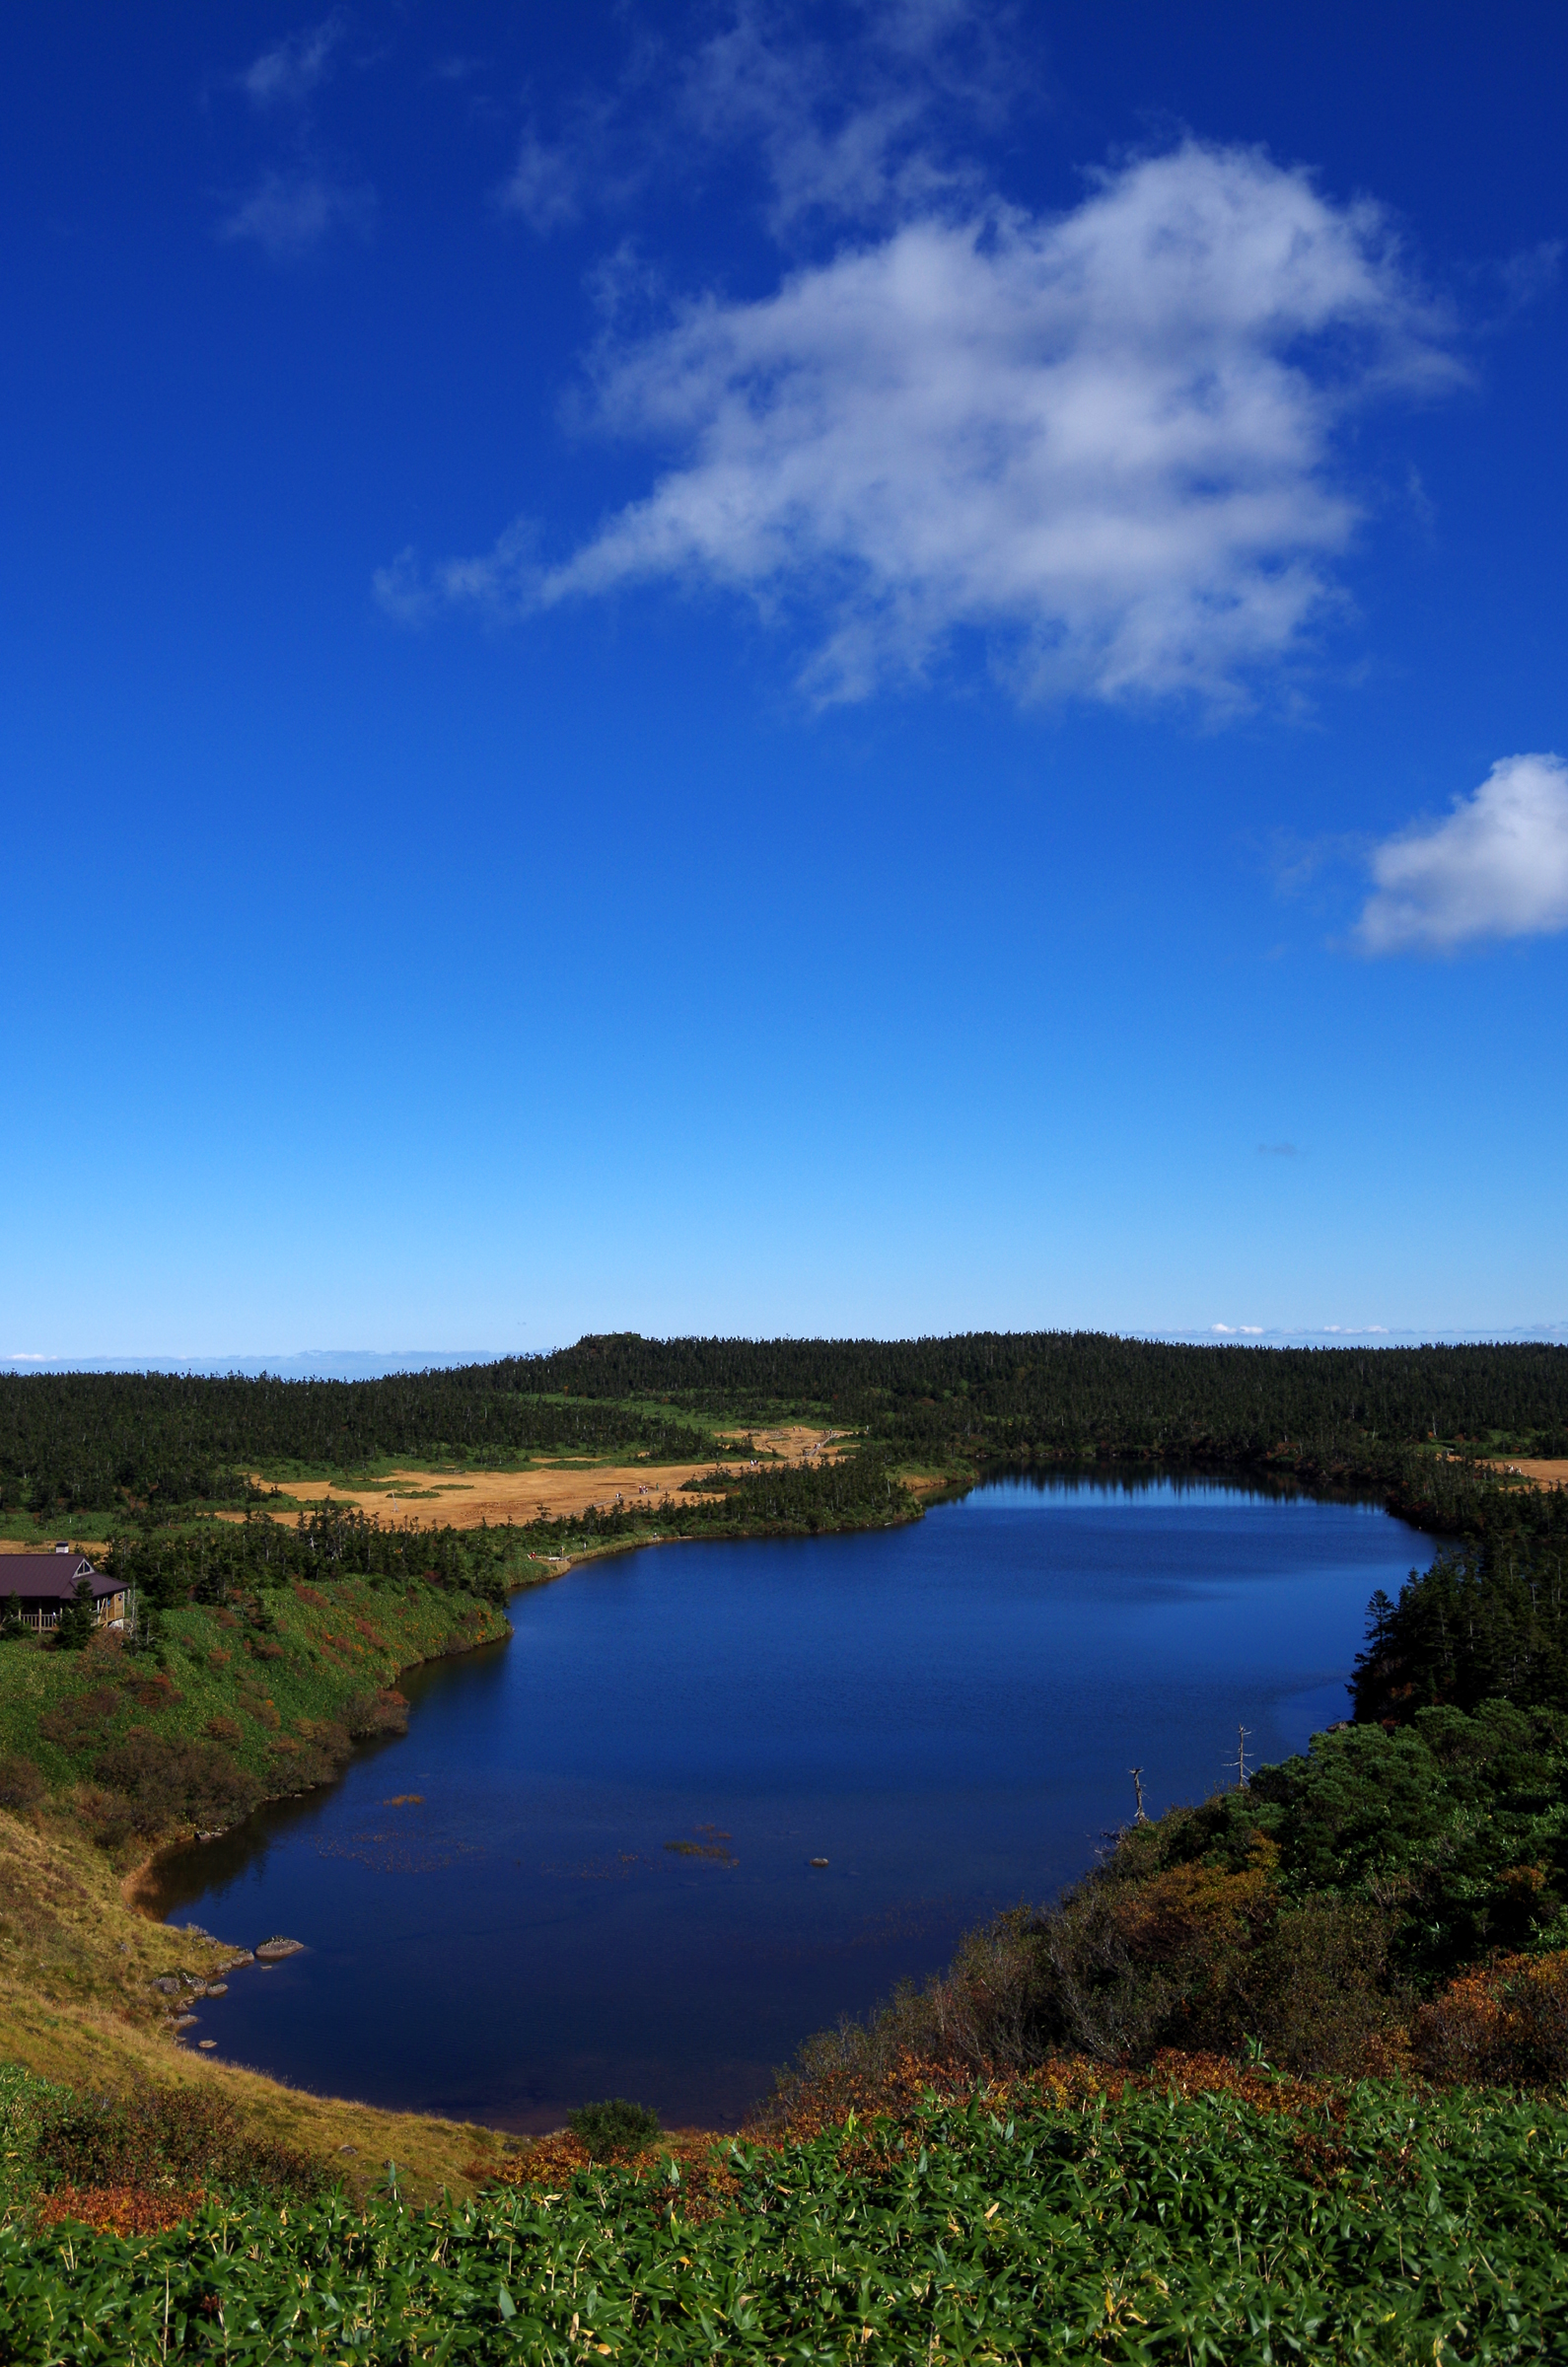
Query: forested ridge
{"x": 1076, "y": 1388}
{"x": 90, "y": 1439}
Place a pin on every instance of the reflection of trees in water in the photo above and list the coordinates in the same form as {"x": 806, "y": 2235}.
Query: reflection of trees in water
{"x": 1156, "y": 1478}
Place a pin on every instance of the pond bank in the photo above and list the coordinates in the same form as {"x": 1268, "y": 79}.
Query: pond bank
{"x": 604, "y": 1839}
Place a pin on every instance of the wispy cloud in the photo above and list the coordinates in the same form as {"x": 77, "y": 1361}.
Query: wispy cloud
{"x": 1276, "y": 1150}
{"x": 855, "y": 130}
{"x": 302, "y": 199}
{"x": 1496, "y": 867}
{"x": 288, "y": 213}
{"x": 546, "y": 184}
{"x": 1106, "y": 441}
{"x": 289, "y": 74}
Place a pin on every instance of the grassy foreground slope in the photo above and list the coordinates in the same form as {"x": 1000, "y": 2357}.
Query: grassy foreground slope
{"x": 78, "y": 2007}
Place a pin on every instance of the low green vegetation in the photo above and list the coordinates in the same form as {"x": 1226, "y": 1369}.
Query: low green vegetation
{"x": 1375, "y": 2226}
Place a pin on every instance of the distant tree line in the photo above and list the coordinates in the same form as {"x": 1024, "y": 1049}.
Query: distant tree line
{"x": 91, "y": 1440}
{"x": 1071, "y": 1390}
{"x": 87, "y": 1440}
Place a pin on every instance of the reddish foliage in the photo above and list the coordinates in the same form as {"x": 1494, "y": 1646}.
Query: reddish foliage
{"x": 153, "y": 1693}
{"x": 706, "y": 2183}
{"x": 1067, "y": 2083}
{"x": 120, "y": 2210}
{"x": 80, "y": 1722}
{"x": 1505, "y": 2023}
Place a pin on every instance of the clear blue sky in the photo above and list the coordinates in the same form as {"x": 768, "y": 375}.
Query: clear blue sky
{"x": 760, "y": 668}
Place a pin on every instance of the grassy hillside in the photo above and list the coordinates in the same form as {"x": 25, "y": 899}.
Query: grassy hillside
{"x": 258, "y": 1693}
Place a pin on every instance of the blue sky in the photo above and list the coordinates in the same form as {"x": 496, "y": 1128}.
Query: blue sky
{"x": 866, "y": 669}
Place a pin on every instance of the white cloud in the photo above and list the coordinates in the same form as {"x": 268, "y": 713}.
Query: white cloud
{"x": 287, "y": 213}
{"x": 1106, "y": 441}
{"x": 1497, "y": 867}
{"x": 286, "y": 76}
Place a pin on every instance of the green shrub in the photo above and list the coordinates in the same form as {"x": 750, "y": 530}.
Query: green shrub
{"x": 24, "y": 2100}
{"x": 78, "y": 1622}
{"x": 613, "y": 2127}
{"x": 173, "y": 2136}
{"x": 1375, "y": 2228}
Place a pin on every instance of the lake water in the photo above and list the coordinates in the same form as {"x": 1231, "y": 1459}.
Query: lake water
{"x": 946, "y": 1713}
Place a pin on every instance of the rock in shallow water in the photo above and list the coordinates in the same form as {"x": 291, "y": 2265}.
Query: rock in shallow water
{"x": 271, "y": 1950}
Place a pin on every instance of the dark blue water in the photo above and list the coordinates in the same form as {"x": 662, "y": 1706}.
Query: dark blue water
{"x": 946, "y": 1712}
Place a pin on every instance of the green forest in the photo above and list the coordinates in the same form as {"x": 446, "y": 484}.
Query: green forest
{"x": 91, "y": 1440}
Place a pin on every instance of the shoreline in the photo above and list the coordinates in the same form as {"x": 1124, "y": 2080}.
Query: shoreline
{"x": 138, "y": 1885}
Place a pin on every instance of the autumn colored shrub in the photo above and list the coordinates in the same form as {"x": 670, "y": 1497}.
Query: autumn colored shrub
{"x": 151, "y": 1782}
{"x": 120, "y": 2210}
{"x": 385, "y": 1712}
{"x": 83, "y": 1719}
{"x": 1504, "y": 2025}
{"x": 152, "y": 1692}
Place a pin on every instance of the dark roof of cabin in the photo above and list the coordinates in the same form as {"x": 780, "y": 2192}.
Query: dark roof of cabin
{"x": 51, "y": 1577}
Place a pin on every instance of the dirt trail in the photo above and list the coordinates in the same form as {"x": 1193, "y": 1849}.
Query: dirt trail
{"x": 1544, "y": 1474}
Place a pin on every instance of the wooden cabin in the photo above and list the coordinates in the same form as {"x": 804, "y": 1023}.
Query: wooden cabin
{"x": 45, "y": 1583}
